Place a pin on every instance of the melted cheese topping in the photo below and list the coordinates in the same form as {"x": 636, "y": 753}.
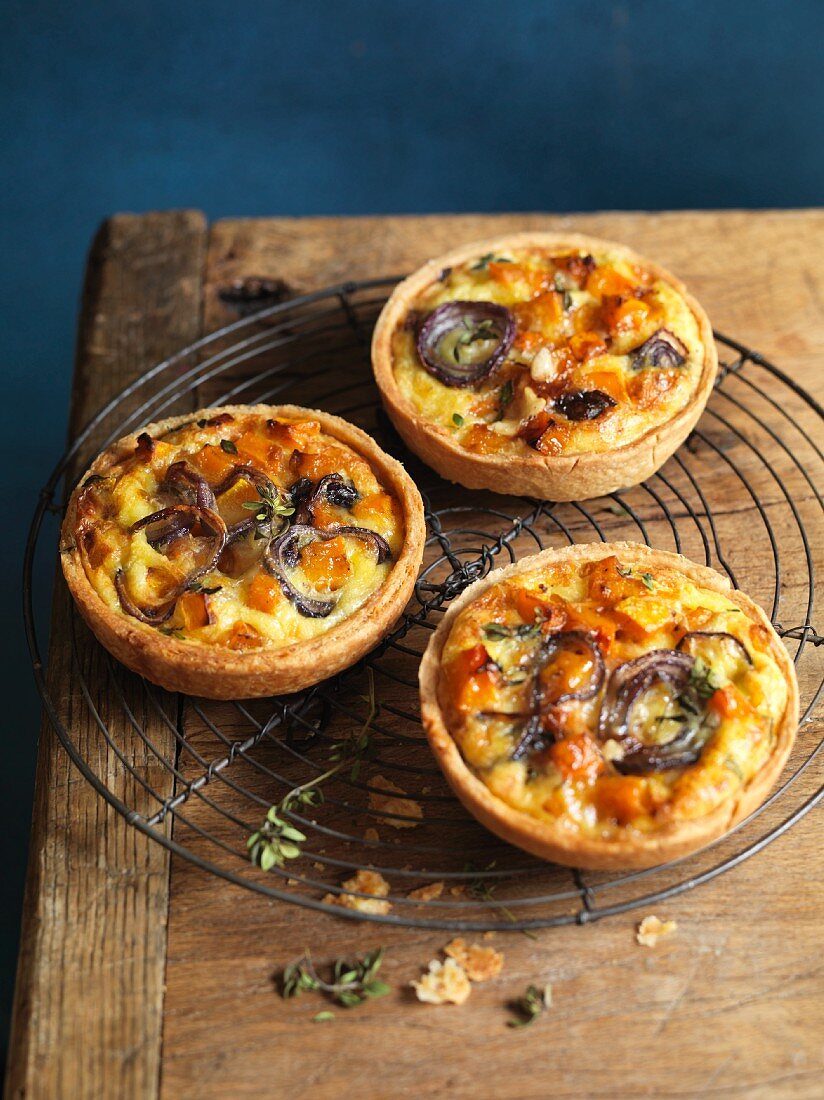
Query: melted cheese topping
{"x": 237, "y": 603}
{"x": 578, "y": 318}
{"x": 568, "y": 771}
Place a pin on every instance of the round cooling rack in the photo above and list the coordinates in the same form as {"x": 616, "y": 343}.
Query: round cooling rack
{"x": 741, "y": 495}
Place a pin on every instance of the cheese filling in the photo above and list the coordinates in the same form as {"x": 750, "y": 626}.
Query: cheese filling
{"x": 263, "y": 532}
{"x": 583, "y": 325}
{"x": 606, "y": 699}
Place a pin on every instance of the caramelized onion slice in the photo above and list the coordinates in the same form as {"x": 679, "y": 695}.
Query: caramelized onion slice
{"x": 627, "y": 686}
{"x": 700, "y": 640}
{"x": 460, "y": 343}
{"x": 191, "y": 486}
{"x": 569, "y": 665}
{"x": 333, "y": 488}
{"x": 153, "y": 616}
{"x": 663, "y": 349}
{"x": 261, "y": 482}
{"x": 282, "y": 555}
{"x": 192, "y": 514}
{"x": 583, "y": 404}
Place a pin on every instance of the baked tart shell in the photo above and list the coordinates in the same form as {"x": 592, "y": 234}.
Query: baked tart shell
{"x": 577, "y": 476}
{"x": 215, "y": 671}
{"x": 547, "y": 840}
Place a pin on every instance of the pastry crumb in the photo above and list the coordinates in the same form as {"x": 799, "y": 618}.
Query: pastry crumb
{"x": 292, "y": 882}
{"x": 429, "y": 892}
{"x": 394, "y": 801}
{"x": 318, "y": 866}
{"x": 479, "y": 963}
{"x": 443, "y": 983}
{"x": 651, "y": 929}
{"x": 372, "y": 835}
{"x": 364, "y": 882}
{"x": 458, "y": 891}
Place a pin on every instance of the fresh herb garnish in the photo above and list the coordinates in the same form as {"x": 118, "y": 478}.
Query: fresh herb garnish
{"x": 618, "y": 509}
{"x": 277, "y": 839}
{"x": 496, "y": 631}
{"x": 481, "y": 890}
{"x": 272, "y": 503}
{"x": 483, "y": 262}
{"x": 196, "y": 586}
{"x": 172, "y": 632}
{"x": 703, "y": 679}
{"x": 457, "y": 420}
{"x": 529, "y": 1007}
{"x": 504, "y": 398}
{"x": 228, "y": 446}
{"x": 358, "y": 746}
{"x": 322, "y": 1017}
{"x": 567, "y": 297}
{"x": 646, "y": 578}
{"x": 353, "y": 982}
{"x": 475, "y": 332}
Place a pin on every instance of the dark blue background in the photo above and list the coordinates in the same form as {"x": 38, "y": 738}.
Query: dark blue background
{"x": 354, "y": 108}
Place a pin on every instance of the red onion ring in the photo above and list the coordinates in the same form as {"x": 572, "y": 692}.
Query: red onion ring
{"x": 468, "y": 317}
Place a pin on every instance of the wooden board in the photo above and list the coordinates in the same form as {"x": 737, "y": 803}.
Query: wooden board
{"x": 733, "y": 1004}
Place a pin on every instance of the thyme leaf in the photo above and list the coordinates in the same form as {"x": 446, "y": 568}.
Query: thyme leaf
{"x": 228, "y": 446}
{"x": 530, "y": 1006}
{"x": 504, "y": 399}
{"x": 497, "y": 631}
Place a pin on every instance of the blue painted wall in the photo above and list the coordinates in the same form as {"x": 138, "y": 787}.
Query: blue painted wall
{"x": 354, "y": 107}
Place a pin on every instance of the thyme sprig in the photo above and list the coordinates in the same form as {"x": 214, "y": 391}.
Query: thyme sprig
{"x": 496, "y": 631}
{"x": 529, "y": 1007}
{"x": 352, "y": 981}
{"x": 278, "y": 839}
{"x": 272, "y": 504}
{"x": 358, "y": 746}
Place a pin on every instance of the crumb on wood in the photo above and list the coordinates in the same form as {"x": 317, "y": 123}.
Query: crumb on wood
{"x": 364, "y": 882}
{"x": 479, "y": 963}
{"x": 652, "y": 929}
{"x": 443, "y": 983}
{"x": 429, "y": 892}
{"x": 372, "y": 835}
{"x": 458, "y": 891}
{"x": 395, "y": 801}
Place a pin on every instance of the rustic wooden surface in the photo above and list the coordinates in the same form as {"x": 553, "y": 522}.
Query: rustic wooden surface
{"x": 733, "y": 1004}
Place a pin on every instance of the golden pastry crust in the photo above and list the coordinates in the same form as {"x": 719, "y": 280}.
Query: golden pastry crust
{"x": 214, "y": 670}
{"x": 561, "y": 476}
{"x": 618, "y": 848}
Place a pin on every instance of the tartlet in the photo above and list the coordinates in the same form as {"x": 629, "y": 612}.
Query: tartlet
{"x": 556, "y": 366}
{"x": 242, "y": 551}
{"x": 608, "y": 706}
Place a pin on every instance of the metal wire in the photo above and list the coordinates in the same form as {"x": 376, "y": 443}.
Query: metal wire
{"x": 220, "y": 765}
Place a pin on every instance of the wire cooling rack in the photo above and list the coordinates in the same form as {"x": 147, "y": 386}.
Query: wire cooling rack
{"x": 741, "y": 495}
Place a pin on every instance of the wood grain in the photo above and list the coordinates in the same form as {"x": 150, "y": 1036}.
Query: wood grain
{"x": 732, "y": 1005}
{"x": 87, "y": 1013}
